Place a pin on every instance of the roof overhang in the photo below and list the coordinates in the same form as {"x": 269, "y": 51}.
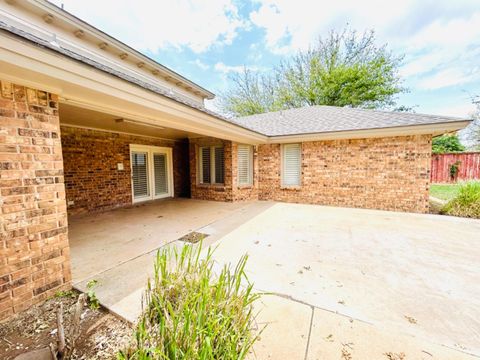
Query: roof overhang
{"x": 79, "y": 84}
{"x": 60, "y": 17}
{"x": 26, "y": 64}
{"x": 432, "y": 129}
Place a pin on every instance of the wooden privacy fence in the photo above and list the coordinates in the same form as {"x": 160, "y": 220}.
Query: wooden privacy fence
{"x": 455, "y": 167}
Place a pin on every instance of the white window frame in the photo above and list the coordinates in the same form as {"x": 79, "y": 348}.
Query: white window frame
{"x": 250, "y": 166}
{"x": 283, "y": 165}
{"x": 213, "y": 181}
{"x": 151, "y": 150}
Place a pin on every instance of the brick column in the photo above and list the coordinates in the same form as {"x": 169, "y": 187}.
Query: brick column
{"x": 35, "y": 259}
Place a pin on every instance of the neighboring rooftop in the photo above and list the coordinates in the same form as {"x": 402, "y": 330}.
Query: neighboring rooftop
{"x": 324, "y": 119}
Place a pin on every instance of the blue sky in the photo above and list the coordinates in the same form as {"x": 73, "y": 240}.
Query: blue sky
{"x": 208, "y": 40}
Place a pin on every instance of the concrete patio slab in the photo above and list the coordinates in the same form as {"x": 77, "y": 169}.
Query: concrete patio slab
{"x": 378, "y": 282}
{"x": 100, "y": 242}
{"x": 408, "y": 273}
{"x": 286, "y": 326}
{"x": 337, "y": 337}
{"x": 118, "y": 248}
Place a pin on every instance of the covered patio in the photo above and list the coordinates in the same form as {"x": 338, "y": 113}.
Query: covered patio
{"x": 117, "y": 248}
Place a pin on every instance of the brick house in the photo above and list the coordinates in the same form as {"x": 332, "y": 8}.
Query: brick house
{"x": 88, "y": 124}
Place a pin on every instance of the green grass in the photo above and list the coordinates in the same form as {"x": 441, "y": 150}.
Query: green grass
{"x": 466, "y": 203}
{"x": 190, "y": 312}
{"x": 444, "y": 191}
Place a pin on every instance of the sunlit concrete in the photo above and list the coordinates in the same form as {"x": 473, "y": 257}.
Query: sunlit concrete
{"x": 400, "y": 273}
{"x": 360, "y": 282}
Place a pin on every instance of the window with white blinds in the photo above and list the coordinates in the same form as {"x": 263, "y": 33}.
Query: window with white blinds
{"x": 160, "y": 173}
{"x": 211, "y": 165}
{"x": 151, "y": 172}
{"x": 205, "y": 165}
{"x": 140, "y": 174}
{"x": 245, "y": 165}
{"x": 291, "y": 164}
{"x": 219, "y": 165}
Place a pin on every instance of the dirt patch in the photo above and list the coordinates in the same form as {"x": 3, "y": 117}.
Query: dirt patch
{"x": 101, "y": 336}
{"x": 193, "y": 237}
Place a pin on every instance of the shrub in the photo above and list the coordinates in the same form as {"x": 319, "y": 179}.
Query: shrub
{"x": 446, "y": 144}
{"x": 189, "y": 313}
{"x": 466, "y": 203}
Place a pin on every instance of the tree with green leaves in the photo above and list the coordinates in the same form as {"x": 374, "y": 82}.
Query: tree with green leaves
{"x": 446, "y": 144}
{"x": 343, "y": 69}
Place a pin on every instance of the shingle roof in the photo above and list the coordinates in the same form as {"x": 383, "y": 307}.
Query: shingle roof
{"x": 307, "y": 120}
{"x": 321, "y": 119}
{"x": 103, "y": 67}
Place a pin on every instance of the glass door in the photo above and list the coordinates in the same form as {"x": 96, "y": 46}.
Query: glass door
{"x": 141, "y": 186}
{"x": 152, "y": 172}
{"x": 160, "y": 174}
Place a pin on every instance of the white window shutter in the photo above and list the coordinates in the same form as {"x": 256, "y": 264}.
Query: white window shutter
{"x": 245, "y": 165}
{"x": 292, "y": 164}
{"x": 205, "y": 165}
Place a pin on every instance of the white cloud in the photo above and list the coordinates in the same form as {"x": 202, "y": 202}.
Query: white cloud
{"x": 447, "y": 77}
{"x": 153, "y": 25}
{"x": 200, "y": 64}
{"x": 223, "y": 68}
{"x": 290, "y": 25}
{"x": 440, "y": 38}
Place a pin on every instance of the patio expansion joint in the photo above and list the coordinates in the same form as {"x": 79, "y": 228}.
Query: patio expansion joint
{"x": 314, "y": 307}
{"x": 309, "y": 332}
{"x": 291, "y": 298}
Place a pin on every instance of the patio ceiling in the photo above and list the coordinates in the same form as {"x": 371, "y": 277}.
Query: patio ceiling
{"x": 75, "y": 116}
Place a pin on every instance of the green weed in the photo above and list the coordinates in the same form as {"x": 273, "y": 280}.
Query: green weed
{"x": 192, "y": 313}
{"x": 466, "y": 203}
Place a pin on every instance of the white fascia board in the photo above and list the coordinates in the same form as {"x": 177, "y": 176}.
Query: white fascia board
{"x": 433, "y": 129}
{"x": 86, "y": 86}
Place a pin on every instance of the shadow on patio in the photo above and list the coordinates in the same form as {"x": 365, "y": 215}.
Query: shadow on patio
{"x": 117, "y": 248}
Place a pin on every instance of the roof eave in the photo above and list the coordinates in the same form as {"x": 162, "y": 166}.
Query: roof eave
{"x": 433, "y": 129}
{"x": 72, "y": 19}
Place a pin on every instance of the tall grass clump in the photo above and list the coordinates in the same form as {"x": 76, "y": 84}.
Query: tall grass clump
{"x": 466, "y": 203}
{"x": 192, "y": 313}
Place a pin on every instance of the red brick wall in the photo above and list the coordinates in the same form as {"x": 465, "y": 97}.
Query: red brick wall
{"x": 35, "y": 258}
{"x": 376, "y": 173}
{"x": 210, "y": 192}
{"x": 92, "y": 180}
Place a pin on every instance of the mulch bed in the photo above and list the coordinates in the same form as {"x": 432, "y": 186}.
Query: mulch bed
{"x": 102, "y": 334}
